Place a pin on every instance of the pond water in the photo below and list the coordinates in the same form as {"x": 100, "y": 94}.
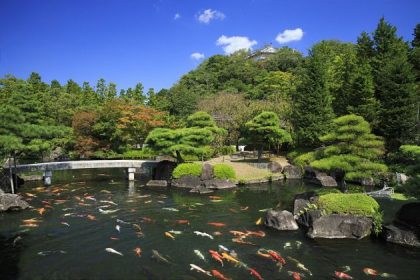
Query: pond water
{"x": 72, "y": 235}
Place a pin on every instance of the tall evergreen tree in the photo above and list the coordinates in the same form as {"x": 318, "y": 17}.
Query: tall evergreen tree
{"x": 312, "y": 111}
{"x": 101, "y": 88}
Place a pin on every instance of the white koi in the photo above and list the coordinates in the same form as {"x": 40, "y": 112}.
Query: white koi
{"x": 110, "y": 250}
{"x": 170, "y": 209}
{"x": 199, "y": 269}
{"x": 108, "y": 211}
{"x": 200, "y": 255}
{"x": 203, "y": 234}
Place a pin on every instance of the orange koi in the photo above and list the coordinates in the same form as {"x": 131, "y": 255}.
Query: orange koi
{"x": 219, "y": 275}
{"x": 242, "y": 242}
{"x": 264, "y": 253}
{"x": 228, "y": 257}
{"x": 244, "y": 208}
{"x": 30, "y": 225}
{"x": 215, "y": 224}
{"x": 114, "y": 238}
{"x": 258, "y": 222}
{"x": 295, "y": 275}
{"x": 30, "y": 195}
{"x": 217, "y": 233}
{"x": 41, "y": 211}
{"x": 370, "y": 271}
{"x": 277, "y": 257}
{"x": 259, "y": 233}
{"x": 168, "y": 234}
{"x": 215, "y": 255}
{"x": 147, "y": 219}
{"x": 31, "y": 221}
{"x": 253, "y": 272}
{"x": 237, "y": 233}
{"x": 48, "y": 206}
{"x": 214, "y": 197}
{"x": 182, "y": 222}
{"x": 342, "y": 275}
{"x": 137, "y": 250}
{"x": 91, "y": 217}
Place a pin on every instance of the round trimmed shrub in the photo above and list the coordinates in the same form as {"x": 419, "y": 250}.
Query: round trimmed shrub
{"x": 186, "y": 169}
{"x": 224, "y": 171}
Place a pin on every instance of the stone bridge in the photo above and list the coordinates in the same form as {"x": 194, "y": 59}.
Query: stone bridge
{"x": 141, "y": 166}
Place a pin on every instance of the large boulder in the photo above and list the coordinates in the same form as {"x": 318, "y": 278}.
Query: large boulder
{"x": 338, "y": 226}
{"x": 275, "y": 167}
{"x": 292, "y": 172}
{"x": 207, "y": 172}
{"x": 280, "y": 220}
{"x": 405, "y": 229}
{"x": 157, "y": 184}
{"x": 163, "y": 170}
{"x": 401, "y": 235}
{"x": 201, "y": 190}
{"x": 10, "y": 201}
{"x": 319, "y": 178}
{"x": 218, "y": 184}
{"x": 187, "y": 181}
{"x": 302, "y": 201}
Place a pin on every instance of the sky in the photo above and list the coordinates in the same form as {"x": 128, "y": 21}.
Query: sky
{"x": 156, "y": 42}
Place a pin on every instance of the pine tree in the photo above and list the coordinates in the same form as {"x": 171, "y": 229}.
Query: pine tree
{"x": 312, "y": 111}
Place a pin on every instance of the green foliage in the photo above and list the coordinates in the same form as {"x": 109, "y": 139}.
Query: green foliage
{"x": 323, "y": 191}
{"x": 187, "y": 169}
{"x": 354, "y": 204}
{"x": 411, "y": 156}
{"x": 144, "y": 153}
{"x": 265, "y": 129}
{"x": 351, "y": 148}
{"x": 224, "y": 171}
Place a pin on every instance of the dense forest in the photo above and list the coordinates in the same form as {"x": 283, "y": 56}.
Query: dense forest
{"x": 376, "y": 79}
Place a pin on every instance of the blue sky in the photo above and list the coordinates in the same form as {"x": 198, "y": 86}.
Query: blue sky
{"x": 145, "y": 41}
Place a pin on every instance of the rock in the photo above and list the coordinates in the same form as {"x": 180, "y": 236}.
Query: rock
{"x": 280, "y": 220}
{"x": 201, "y": 190}
{"x": 163, "y": 170}
{"x": 401, "y": 178}
{"x": 302, "y": 200}
{"x": 187, "y": 181}
{"x": 207, "y": 172}
{"x": 319, "y": 178}
{"x": 157, "y": 183}
{"x": 409, "y": 215}
{"x": 10, "y": 201}
{"x": 1, "y": 192}
{"x": 275, "y": 167}
{"x": 401, "y": 235}
{"x": 292, "y": 172}
{"x": 338, "y": 226}
{"x": 368, "y": 182}
{"x": 218, "y": 184}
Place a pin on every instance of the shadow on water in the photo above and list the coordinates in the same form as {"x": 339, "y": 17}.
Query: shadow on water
{"x": 10, "y": 250}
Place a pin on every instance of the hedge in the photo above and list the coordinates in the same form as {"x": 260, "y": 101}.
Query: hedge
{"x": 187, "y": 169}
{"x": 224, "y": 171}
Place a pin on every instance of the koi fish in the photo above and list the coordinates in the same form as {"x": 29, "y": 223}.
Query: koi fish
{"x": 300, "y": 265}
{"x": 370, "y": 271}
{"x": 118, "y": 228}
{"x": 264, "y": 210}
{"x": 41, "y": 211}
{"x": 244, "y": 208}
{"x": 137, "y": 250}
{"x": 253, "y": 272}
{"x": 156, "y": 255}
{"x": 216, "y": 200}
{"x": 137, "y": 226}
{"x": 217, "y": 233}
{"x": 387, "y": 275}
{"x": 68, "y": 214}
{"x": 233, "y": 210}
{"x": 170, "y": 209}
{"x": 199, "y": 269}
{"x": 105, "y": 212}
{"x": 182, "y": 222}
{"x": 91, "y": 217}
{"x": 30, "y": 195}
{"x": 66, "y": 224}
{"x": 114, "y": 238}
{"x": 259, "y": 233}
{"x": 287, "y": 245}
{"x": 223, "y": 248}
{"x": 295, "y": 275}
{"x": 203, "y": 234}
{"x": 215, "y": 255}
{"x": 276, "y": 256}
{"x": 237, "y": 233}
{"x": 29, "y": 225}
{"x": 229, "y": 258}
{"x": 258, "y": 222}
{"x": 242, "y": 242}
{"x": 31, "y": 221}
{"x": 47, "y": 253}
{"x": 214, "y": 197}
{"x": 109, "y": 202}
{"x": 175, "y": 231}
{"x": 264, "y": 253}
{"x": 215, "y": 224}
{"x": 90, "y": 197}
{"x": 219, "y": 275}
{"x": 122, "y": 222}
{"x": 168, "y": 234}
{"x": 342, "y": 275}
{"x": 200, "y": 255}
{"x": 18, "y": 238}
{"x": 105, "y": 191}
{"x": 59, "y": 201}
{"x": 298, "y": 244}
{"x": 110, "y": 250}
{"x": 147, "y": 219}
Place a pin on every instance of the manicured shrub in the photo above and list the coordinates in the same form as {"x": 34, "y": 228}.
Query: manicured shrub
{"x": 187, "y": 169}
{"x": 224, "y": 171}
{"x": 144, "y": 153}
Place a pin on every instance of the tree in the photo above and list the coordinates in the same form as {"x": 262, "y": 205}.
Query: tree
{"x": 191, "y": 140}
{"x": 411, "y": 154}
{"x": 111, "y": 91}
{"x": 351, "y": 148}
{"x": 312, "y": 111}
{"x": 415, "y": 60}
{"x": 101, "y": 88}
{"x": 394, "y": 87}
{"x": 265, "y": 129}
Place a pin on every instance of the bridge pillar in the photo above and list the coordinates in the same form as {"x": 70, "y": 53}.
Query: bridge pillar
{"x": 130, "y": 172}
{"x": 47, "y": 177}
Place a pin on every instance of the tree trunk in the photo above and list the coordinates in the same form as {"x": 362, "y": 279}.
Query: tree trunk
{"x": 260, "y": 151}
{"x": 179, "y": 158}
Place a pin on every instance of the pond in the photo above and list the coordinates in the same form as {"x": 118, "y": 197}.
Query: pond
{"x": 69, "y": 240}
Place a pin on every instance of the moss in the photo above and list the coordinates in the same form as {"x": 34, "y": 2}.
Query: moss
{"x": 224, "y": 171}
{"x": 187, "y": 169}
{"x": 322, "y": 191}
{"x": 354, "y": 204}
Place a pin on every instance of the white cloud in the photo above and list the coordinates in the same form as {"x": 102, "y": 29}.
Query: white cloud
{"x": 197, "y": 56}
{"x": 209, "y": 14}
{"x": 289, "y": 35}
{"x": 177, "y": 16}
{"x": 235, "y": 43}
